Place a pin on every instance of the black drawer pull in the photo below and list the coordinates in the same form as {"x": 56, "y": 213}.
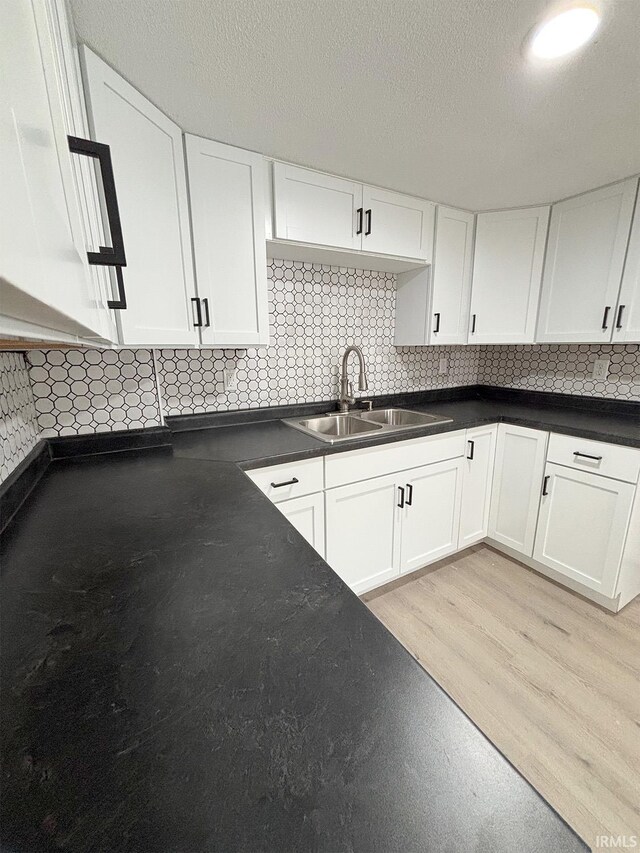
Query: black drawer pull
{"x": 545, "y": 483}
{"x": 473, "y": 324}
{"x": 587, "y": 456}
{"x": 359, "y": 213}
{"x": 401, "y": 504}
{"x": 409, "y": 495}
{"x": 437, "y": 316}
{"x": 472, "y": 445}
{"x": 207, "y": 321}
{"x": 605, "y": 318}
{"x": 619, "y": 317}
{"x": 290, "y": 482}
{"x": 368, "y": 228}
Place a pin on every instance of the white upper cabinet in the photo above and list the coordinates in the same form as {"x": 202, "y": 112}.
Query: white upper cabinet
{"x": 509, "y": 253}
{"x": 396, "y": 224}
{"x": 44, "y": 275}
{"x": 335, "y": 213}
{"x": 451, "y": 276}
{"x": 149, "y": 169}
{"x": 312, "y": 207}
{"x": 226, "y": 188}
{"x": 588, "y": 238}
{"x": 626, "y": 325}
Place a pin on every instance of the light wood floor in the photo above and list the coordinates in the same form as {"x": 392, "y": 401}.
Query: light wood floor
{"x": 551, "y": 679}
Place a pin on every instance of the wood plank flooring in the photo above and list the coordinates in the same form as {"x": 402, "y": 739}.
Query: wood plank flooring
{"x": 550, "y": 678}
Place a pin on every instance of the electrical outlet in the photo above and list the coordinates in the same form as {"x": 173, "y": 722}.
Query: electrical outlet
{"x": 230, "y": 379}
{"x": 443, "y": 366}
{"x": 600, "y": 368}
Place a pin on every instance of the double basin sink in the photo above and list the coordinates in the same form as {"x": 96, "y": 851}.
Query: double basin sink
{"x": 341, "y": 426}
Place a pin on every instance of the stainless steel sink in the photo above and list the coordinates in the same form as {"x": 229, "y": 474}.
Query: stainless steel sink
{"x": 334, "y": 427}
{"x": 358, "y": 424}
{"x": 401, "y": 418}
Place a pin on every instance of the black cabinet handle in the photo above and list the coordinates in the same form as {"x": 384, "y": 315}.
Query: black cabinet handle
{"x": 545, "y": 483}
{"x": 108, "y": 256}
{"x": 198, "y": 321}
{"x": 207, "y": 322}
{"x": 605, "y": 318}
{"x": 409, "y": 500}
{"x": 587, "y": 456}
{"x": 359, "y": 213}
{"x": 121, "y": 302}
{"x": 619, "y": 317}
{"x": 290, "y": 482}
{"x": 368, "y": 228}
{"x": 473, "y": 323}
{"x": 437, "y": 316}
{"x": 472, "y": 445}
{"x": 401, "y": 504}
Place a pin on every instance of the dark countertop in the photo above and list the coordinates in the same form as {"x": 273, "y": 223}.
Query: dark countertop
{"x": 268, "y": 442}
{"x": 182, "y": 672}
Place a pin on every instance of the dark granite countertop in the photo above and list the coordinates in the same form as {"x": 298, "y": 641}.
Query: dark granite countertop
{"x": 182, "y": 672}
{"x": 267, "y": 442}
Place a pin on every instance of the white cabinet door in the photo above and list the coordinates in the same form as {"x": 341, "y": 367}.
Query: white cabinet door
{"x": 307, "y": 516}
{"x": 148, "y": 164}
{"x": 66, "y": 70}
{"x": 451, "y": 276}
{"x": 44, "y": 276}
{"x": 226, "y": 188}
{"x": 397, "y": 224}
{"x": 312, "y": 207}
{"x": 588, "y": 238}
{"x": 477, "y": 480}
{"x": 362, "y": 532}
{"x": 626, "y": 327}
{"x": 517, "y": 483}
{"x": 431, "y": 513}
{"x": 582, "y": 526}
{"x": 507, "y": 269}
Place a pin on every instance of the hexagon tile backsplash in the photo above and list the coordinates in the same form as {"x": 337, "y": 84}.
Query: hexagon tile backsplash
{"x": 314, "y": 312}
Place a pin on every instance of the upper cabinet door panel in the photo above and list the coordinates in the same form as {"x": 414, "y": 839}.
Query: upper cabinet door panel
{"x": 226, "y": 187}
{"x": 397, "y": 224}
{"x": 148, "y": 164}
{"x": 312, "y": 207}
{"x": 588, "y": 239}
{"x": 509, "y": 253}
{"x": 626, "y": 327}
{"x": 452, "y": 264}
{"x": 43, "y": 264}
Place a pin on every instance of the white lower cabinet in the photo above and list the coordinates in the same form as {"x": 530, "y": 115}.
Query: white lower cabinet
{"x": 477, "y": 480}
{"x": 306, "y": 514}
{"x": 380, "y": 528}
{"x": 431, "y": 514}
{"x": 363, "y": 531}
{"x": 517, "y": 481}
{"x": 582, "y": 526}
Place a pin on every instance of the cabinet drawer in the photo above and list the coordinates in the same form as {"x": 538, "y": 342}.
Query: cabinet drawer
{"x": 388, "y": 458}
{"x": 291, "y": 480}
{"x": 610, "y": 460}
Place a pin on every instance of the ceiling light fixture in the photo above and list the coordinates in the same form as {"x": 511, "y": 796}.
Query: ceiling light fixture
{"x": 564, "y": 32}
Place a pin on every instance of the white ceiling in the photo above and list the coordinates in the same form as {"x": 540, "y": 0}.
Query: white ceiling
{"x": 431, "y": 97}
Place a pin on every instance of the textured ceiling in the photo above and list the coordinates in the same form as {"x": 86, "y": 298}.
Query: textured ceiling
{"x": 431, "y": 97}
